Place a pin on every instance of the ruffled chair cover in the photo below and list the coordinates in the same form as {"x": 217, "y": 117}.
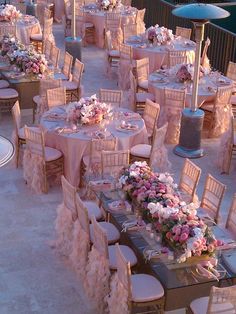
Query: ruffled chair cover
{"x": 64, "y": 229}
{"x": 140, "y": 21}
{"x": 41, "y": 108}
{"x": 116, "y": 38}
{"x": 118, "y": 298}
{"x": 225, "y": 151}
{"x": 80, "y": 249}
{"x": 125, "y": 66}
{"x": 97, "y": 279}
{"x": 33, "y": 171}
{"x": 159, "y": 155}
{"x": 221, "y": 120}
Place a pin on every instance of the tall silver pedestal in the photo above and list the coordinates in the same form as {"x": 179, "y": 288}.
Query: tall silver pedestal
{"x": 190, "y": 134}
{"x": 73, "y": 46}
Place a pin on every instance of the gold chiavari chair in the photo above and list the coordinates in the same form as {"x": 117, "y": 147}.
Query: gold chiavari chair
{"x": 221, "y": 300}
{"x": 40, "y": 162}
{"x": 85, "y": 29}
{"x": 56, "y": 97}
{"x": 47, "y": 49}
{"x": 73, "y": 87}
{"x": 231, "y": 219}
{"x": 66, "y": 69}
{"x": 174, "y": 103}
{"x": 183, "y": 32}
{"x": 150, "y": 117}
{"x": 112, "y": 97}
{"x": 113, "y": 55}
{"x": 142, "y": 73}
{"x": 212, "y": 197}
{"x": 38, "y": 40}
{"x": 138, "y": 100}
{"x": 176, "y": 57}
{"x": 113, "y": 24}
{"x": 54, "y": 56}
{"x": 129, "y": 30}
{"x": 126, "y": 292}
{"x": 189, "y": 179}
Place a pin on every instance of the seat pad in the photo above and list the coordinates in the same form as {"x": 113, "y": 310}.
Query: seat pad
{"x": 69, "y": 85}
{"x": 89, "y": 25}
{"x": 199, "y": 306}
{"x": 60, "y": 76}
{"x": 93, "y": 209}
{"x": 112, "y": 232}
{"x": 37, "y": 37}
{"x": 141, "y": 97}
{"x": 143, "y": 84}
{"x": 4, "y": 84}
{"x": 36, "y": 99}
{"x": 145, "y": 288}
{"x": 127, "y": 252}
{"x": 52, "y": 154}
{"x": 141, "y": 150}
{"x": 21, "y": 131}
{"x": 7, "y": 93}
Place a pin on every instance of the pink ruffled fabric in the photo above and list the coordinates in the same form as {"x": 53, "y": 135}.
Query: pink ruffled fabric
{"x": 97, "y": 279}
{"x": 221, "y": 120}
{"x": 118, "y": 298}
{"x": 64, "y": 230}
{"x": 160, "y": 162}
{"x": 116, "y": 38}
{"x": 123, "y": 74}
{"x": 80, "y": 250}
{"x": 224, "y": 151}
{"x": 173, "y": 118}
{"x": 41, "y": 108}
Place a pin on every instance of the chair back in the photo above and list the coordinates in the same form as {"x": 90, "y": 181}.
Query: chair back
{"x": 142, "y": 69}
{"x": 176, "y": 57}
{"x": 231, "y": 71}
{"x": 16, "y": 116}
{"x": 82, "y": 214}
{"x": 67, "y": 6}
{"x": 157, "y": 143}
{"x": 67, "y": 65}
{"x": 108, "y": 41}
{"x": 189, "y": 177}
{"x": 113, "y": 162}
{"x": 204, "y": 59}
{"x": 56, "y": 97}
{"x": 212, "y": 196}
{"x": 222, "y": 300}
{"x": 112, "y": 21}
{"x": 77, "y": 72}
{"x": 69, "y": 192}
{"x": 47, "y": 48}
{"x": 54, "y": 56}
{"x": 113, "y": 97}
{"x": 46, "y": 84}
{"x": 35, "y": 141}
{"x": 100, "y": 238}
{"x": 133, "y": 85}
{"x": 150, "y": 115}
{"x": 223, "y": 96}
{"x": 140, "y": 16}
{"x": 126, "y": 52}
{"x": 183, "y": 32}
{"x": 174, "y": 99}
{"x": 47, "y": 30}
{"x": 129, "y": 30}
{"x": 231, "y": 219}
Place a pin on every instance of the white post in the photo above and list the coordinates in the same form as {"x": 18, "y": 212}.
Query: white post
{"x": 73, "y": 20}
{"x": 199, "y": 32}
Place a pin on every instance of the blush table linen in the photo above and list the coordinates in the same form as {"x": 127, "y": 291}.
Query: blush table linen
{"x": 75, "y": 145}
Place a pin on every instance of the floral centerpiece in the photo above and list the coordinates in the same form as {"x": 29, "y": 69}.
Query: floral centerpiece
{"x": 185, "y": 72}
{"x": 158, "y": 199}
{"x": 9, "y": 12}
{"x": 87, "y": 111}
{"x": 159, "y": 35}
{"x": 9, "y": 43}
{"x": 108, "y": 4}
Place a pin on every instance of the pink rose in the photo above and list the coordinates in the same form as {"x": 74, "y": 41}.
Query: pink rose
{"x": 183, "y": 237}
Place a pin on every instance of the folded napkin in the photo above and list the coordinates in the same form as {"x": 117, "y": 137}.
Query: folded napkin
{"x": 101, "y": 185}
{"x": 151, "y": 253}
{"x": 133, "y": 225}
{"x": 119, "y": 205}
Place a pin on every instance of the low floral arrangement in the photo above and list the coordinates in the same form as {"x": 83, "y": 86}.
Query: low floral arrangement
{"x": 108, "y": 4}
{"x": 185, "y": 72}
{"x": 158, "y": 199}
{"x": 9, "y": 43}
{"x": 9, "y": 13}
{"x": 87, "y": 111}
{"x": 159, "y": 35}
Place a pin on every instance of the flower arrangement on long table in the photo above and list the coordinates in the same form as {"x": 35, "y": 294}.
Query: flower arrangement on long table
{"x": 9, "y": 13}
{"x": 157, "y": 197}
{"x": 26, "y": 59}
{"x": 87, "y": 110}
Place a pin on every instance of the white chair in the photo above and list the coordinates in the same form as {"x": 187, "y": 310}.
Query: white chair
{"x": 133, "y": 291}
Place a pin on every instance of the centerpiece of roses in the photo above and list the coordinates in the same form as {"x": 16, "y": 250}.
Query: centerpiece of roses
{"x": 157, "y": 198}
{"x": 159, "y": 34}
{"x": 9, "y": 12}
{"x": 87, "y": 110}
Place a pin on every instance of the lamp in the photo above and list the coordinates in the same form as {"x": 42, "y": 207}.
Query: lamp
{"x": 6, "y": 151}
{"x": 192, "y": 118}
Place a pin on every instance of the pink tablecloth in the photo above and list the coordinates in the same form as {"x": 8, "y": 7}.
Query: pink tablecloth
{"x": 75, "y": 145}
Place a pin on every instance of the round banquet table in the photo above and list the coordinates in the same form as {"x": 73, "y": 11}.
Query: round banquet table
{"x": 6, "y": 151}
{"x": 98, "y": 20}
{"x": 25, "y": 27}
{"x": 158, "y": 55}
{"x": 74, "y": 144}
{"x": 208, "y": 84}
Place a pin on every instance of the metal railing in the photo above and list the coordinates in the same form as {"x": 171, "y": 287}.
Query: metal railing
{"x": 223, "y": 42}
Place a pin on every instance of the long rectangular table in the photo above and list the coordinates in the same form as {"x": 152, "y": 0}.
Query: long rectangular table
{"x": 181, "y": 285}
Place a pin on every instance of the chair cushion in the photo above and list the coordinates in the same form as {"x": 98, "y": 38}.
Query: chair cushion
{"x": 89, "y": 25}
{"x": 143, "y": 84}
{"x": 21, "y": 132}
{"x": 145, "y": 288}
{"x": 36, "y": 99}
{"x": 60, "y": 76}
{"x": 199, "y": 306}
{"x": 69, "y": 85}
{"x": 112, "y": 232}
{"x": 7, "y": 93}
{"x": 141, "y": 97}
{"x": 233, "y": 99}
{"x": 141, "y": 150}
{"x": 4, "y": 84}
{"x": 114, "y": 53}
{"x": 126, "y": 251}
{"x": 37, "y": 37}
{"x": 93, "y": 209}
{"x": 52, "y": 154}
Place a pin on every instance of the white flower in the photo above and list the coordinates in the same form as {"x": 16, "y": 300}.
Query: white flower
{"x": 155, "y": 207}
